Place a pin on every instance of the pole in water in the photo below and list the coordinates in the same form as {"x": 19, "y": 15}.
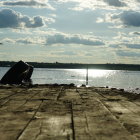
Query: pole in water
{"x": 87, "y": 76}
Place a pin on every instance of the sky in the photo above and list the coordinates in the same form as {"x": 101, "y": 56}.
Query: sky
{"x": 70, "y": 31}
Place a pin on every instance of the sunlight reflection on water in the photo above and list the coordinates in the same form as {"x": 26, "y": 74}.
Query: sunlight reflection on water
{"x": 101, "y": 73}
{"x": 94, "y": 72}
{"x": 96, "y": 77}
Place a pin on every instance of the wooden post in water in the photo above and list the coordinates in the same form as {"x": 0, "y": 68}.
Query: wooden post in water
{"x": 87, "y": 76}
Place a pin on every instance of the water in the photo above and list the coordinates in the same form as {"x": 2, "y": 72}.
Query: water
{"x": 129, "y": 80}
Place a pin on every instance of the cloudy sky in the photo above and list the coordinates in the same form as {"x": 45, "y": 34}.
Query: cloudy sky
{"x": 73, "y": 31}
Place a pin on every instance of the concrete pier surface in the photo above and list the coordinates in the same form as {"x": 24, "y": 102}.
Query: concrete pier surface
{"x": 62, "y": 112}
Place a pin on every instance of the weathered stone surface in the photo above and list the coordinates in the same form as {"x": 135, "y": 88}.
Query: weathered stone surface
{"x": 67, "y": 113}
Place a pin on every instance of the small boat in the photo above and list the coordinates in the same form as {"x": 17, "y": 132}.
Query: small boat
{"x": 20, "y": 72}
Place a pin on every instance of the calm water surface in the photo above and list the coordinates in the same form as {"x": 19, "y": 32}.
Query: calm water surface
{"x": 112, "y": 78}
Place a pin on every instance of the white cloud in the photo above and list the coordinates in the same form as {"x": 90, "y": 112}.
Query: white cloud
{"x": 33, "y": 40}
{"x": 135, "y": 33}
{"x": 133, "y": 46}
{"x": 129, "y": 18}
{"x": 8, "y": 40}
{"x": 64, "y": 53}
{"x": 13, "y": 19}
{"x": 123, "y": 19}
{"x": 103, "y": 4}
{"x": 56, "y": 38}
{"x": 128, "y": 53}
{"x": 99, "y": 20}
{"x": 27, "y": 40}
{"x": 84, "y": 4}
{"x": 26, "y": 3}
{"x": 127, "y": 41}
{"x": 61, "y": 38}
{"x": 115, "y": 3}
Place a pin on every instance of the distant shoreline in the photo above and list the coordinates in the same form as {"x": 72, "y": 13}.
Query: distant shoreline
{"x": 131, "y": 67}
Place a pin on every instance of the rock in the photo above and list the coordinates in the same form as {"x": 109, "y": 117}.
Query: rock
{"x": 30, "y": 72}
{"x": 72, "y": 84}
{"x": 113, "y": 88}
{"x": 20, "y": 72}
{"x": 121, "y": 89}
{"x": 83, "y": 85}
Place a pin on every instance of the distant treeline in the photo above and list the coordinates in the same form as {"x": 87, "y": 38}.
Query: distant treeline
{"x": 76, "y": 65}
